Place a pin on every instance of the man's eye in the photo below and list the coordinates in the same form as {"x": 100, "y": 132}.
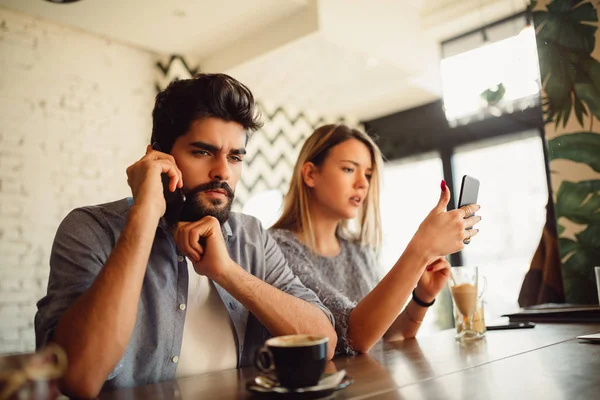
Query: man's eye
{"x": 235, "y": 159}
{"x": 200, "y": 153}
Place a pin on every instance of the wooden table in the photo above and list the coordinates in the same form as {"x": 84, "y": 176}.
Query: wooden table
{"x": 545, "y": 362}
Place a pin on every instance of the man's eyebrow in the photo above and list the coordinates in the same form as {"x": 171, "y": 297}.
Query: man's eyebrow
{"x": 214, "y": 149}
{"x": 205, "y": 146}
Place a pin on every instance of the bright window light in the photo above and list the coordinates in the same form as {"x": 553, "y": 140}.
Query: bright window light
{"x": 501, "y": 77}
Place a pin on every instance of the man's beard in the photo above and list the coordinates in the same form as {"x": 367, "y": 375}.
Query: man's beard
{"x": 194, "y": 209}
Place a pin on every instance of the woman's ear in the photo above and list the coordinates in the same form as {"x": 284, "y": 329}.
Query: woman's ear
{"x": 308, "y": 172}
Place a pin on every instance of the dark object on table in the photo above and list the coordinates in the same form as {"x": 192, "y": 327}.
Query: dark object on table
{"x": 557, "y": 313}
{"x": 510, "y": 325}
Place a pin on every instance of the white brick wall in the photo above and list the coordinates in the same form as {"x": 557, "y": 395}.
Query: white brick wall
{"x": 74, "y": 113}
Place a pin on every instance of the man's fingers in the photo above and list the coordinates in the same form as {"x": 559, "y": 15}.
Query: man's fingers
{"x": 175, "y": 178}
{"x": 193, "y": 241}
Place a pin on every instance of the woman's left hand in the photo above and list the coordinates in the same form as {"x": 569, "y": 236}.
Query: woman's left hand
{"x": 433, "y": 280}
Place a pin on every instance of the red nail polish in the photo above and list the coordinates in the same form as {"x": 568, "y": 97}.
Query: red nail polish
{"x": 430, "y": 268}
{"x": 443, "y": 185}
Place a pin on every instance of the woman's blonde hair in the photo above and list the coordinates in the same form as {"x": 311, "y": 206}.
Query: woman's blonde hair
{"x": 296, "y": 215}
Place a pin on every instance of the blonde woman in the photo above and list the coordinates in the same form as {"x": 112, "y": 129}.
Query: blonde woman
{"x": 335, "y": 187}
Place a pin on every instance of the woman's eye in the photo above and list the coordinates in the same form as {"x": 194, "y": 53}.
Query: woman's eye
{"x": 346, "y": 169}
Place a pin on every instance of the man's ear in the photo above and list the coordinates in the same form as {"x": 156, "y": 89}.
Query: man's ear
{"x": 308, "y": 172}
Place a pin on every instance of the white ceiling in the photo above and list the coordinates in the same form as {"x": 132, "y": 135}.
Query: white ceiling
{"x": 367, "y": 58}
{"x": 198, "y": 27}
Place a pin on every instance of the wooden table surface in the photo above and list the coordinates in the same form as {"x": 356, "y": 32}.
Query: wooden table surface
{"x": 544, "y": 362}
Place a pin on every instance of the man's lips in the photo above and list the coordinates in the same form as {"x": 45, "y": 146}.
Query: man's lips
{"x": 216, "y": 192}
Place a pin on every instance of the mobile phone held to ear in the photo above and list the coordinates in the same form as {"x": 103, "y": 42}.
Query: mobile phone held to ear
{"x": 469, "y": 190}
{"x": 174, "y": 200}
{"x": 176, "y": 197}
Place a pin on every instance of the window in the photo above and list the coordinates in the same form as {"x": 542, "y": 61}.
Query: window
{"x": 490, "y": 79}
{"x": 411, "y": 188}
{"x": 513, "y": 195}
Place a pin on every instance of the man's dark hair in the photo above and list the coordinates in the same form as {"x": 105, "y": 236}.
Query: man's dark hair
{"x": 205, "y": 95}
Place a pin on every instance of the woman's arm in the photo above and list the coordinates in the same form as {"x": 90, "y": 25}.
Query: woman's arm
{"x": 374, "y": 314}
{"x": 409, "y": 321}
{"x": 439, "y": 234}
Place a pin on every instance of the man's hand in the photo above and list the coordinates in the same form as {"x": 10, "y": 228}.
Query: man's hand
{"x": 144, "y": 178}
{"x": 202, "y": 242}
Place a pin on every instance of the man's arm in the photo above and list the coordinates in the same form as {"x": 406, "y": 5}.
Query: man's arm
{"x": 281, "y": 313}
{"x": 95, "y": 330}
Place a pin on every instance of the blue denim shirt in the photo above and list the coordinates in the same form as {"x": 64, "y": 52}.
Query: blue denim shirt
{"x": 81, "y": 247}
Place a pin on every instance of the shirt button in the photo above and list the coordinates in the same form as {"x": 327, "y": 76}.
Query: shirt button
{"x": 175, "y": 359}
{"x": 180, "y": 258}
{"x": 182, "y": 306}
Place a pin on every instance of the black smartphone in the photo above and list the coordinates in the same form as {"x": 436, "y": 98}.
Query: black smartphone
{"x": 511, "y": 325}
{"x": 176, "y": 197}
{"x": 469, "y": 190}
{"x": 174, "y": 200}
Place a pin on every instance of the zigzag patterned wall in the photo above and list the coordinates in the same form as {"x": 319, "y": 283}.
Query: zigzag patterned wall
{"x": 272, "y": 151}
{"x": 173, "y": 68}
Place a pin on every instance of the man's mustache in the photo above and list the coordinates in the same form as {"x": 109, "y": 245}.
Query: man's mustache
{"x": 214, "y": 185}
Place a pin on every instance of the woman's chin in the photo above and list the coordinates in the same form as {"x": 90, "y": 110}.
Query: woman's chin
{"x": 350, "y": 214}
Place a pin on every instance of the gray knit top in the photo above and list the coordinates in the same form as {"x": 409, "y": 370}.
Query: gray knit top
{"x": 340, "y": 281}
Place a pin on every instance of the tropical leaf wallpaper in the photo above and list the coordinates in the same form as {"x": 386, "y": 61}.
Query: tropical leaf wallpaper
{"x": 567, "y": 44}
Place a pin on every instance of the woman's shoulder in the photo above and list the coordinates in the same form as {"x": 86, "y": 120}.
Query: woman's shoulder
{"x": 286, "y": 240}
{"x": 282, "y": 235}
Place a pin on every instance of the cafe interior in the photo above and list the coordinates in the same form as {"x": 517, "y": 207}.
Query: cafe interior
{"x": 505, "y": 91}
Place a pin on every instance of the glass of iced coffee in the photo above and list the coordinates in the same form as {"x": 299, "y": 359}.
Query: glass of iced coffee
{"x": 464, "y": 289}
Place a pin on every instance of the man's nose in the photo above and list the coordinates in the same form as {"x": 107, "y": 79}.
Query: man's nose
{"x": 220, "y": 170}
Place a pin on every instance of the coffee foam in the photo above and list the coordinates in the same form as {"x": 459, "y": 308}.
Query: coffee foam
{"x": 296, "y": 341}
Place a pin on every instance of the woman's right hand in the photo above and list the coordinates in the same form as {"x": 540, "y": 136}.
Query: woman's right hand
{"x": 443, "y": 232}
{"x": 144, "y": 178}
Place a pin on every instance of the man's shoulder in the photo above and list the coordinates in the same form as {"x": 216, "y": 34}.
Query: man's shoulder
{"x": 240, "y": 222}
{"x": 113, "y": 213}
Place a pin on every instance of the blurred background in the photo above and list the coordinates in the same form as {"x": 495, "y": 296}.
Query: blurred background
{"x": 448, "y": 87}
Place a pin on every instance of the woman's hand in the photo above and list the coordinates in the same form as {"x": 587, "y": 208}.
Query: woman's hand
{"x": 433, "y": 280}
{"x": 445, "y": 232}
